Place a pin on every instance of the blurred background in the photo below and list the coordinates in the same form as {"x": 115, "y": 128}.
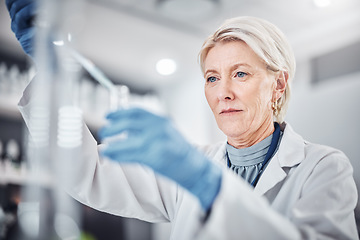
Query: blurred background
{"x": 152, "y": 46}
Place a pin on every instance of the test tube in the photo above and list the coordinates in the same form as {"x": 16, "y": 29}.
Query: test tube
{"x": 119, "y": 97}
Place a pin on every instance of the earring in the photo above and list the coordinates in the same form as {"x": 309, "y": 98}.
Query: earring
{"x": 274, "y": 107}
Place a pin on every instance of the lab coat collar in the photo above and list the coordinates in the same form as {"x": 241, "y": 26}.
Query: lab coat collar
{"x": 290, "y": 153}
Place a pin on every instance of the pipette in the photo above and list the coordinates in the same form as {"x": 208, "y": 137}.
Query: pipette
{"x": 119, "y": 94}
{"x": 94, "y": 71}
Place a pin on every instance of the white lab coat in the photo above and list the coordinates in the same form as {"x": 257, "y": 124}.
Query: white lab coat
{"x": 306, "y": 192}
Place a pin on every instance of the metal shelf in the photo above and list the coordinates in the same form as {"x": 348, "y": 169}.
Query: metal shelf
{"x": 21, "y": 175}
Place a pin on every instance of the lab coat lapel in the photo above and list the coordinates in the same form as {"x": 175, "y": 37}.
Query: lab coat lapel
{"x": 220, "y": 155}
{"x": 272, "y": 175}
{"x": 289, "y": 154}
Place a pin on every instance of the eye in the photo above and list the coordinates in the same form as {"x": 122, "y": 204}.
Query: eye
{"x": 211, "y": 79}
{"x": 241, "y": 74}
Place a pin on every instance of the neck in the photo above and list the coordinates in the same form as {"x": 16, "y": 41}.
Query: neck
{"x": 248, "y": 138}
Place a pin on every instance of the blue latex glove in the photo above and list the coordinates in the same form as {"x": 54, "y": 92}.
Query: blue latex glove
{"x": 153, "y": 141}
{"x": 22, "y": 13}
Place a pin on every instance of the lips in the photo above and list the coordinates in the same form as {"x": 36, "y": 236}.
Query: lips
{"x": 230, "y": 111}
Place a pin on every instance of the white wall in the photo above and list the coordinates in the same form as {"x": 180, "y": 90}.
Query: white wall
{"x": 328, "y": 113}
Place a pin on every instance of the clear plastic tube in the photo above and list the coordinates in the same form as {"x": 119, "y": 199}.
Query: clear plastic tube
{"x": 94, "y": 71}
{"x": 55, "y": 126}
{"x": 119, "y": 97}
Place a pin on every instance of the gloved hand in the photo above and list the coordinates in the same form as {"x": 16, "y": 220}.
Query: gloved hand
{"x": 22, "y": 13}
{"x": 153, "y": 141}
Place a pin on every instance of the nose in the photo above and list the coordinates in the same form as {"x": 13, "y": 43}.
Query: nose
{"x": 225, "y": 90}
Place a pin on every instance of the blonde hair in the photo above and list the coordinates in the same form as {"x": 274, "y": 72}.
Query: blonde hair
{"x": 267, "y": 41}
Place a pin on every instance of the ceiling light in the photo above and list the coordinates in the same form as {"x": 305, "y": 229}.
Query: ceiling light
{"x": 59, "y": 43}
{"x": 62, "y": 42}
{"x": 166, "y": 66}
{"x": 322, "y": 3}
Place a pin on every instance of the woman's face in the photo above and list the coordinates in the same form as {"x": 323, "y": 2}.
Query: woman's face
{"x": 239, "y": 90}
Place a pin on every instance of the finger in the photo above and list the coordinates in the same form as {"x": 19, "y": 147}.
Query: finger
{"x": 132, "y": 121}
{"x": 17, "y": 6}
{"x": 112, "y": 133}
{"x": 126, "y": 125}
{"x": 131, "y": 149}
{"x": 26, "y": 41}
{"x": 128, "y": 112}
{"x": 22, "y": 19}
{"x": 9, "y": 3}
{"x": 143, "y": 141}
{"x": 132, "y": 113}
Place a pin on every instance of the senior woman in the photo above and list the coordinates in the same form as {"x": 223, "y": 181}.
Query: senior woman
{"x": 264, "y": 182}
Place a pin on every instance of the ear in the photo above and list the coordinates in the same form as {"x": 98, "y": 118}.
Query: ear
{"x": 280, "y": 85}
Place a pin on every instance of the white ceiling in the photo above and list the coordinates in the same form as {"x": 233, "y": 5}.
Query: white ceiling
{"x": 125, "y": 38}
